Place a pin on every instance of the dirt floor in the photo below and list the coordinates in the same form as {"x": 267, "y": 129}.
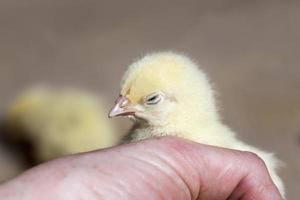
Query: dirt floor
{"x": 250, "y": 49}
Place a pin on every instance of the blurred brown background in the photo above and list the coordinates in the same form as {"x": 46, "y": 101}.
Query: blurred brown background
{"x": 250, "y": 49}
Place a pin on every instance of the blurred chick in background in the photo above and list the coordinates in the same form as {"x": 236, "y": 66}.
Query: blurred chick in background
{"x": 167, "y": 94}
{"x": 61, "y": 122}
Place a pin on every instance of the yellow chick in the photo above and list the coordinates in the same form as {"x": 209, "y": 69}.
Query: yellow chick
{"x": 167, "y": 94}
{"x": 61, "y": 122}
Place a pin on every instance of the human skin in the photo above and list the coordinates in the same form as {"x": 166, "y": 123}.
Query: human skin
{"x": 159, "y": 168}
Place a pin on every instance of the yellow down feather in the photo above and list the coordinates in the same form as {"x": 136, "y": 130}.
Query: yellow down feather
{"x": 61, "y": 122}
{"x": 189, "y": 109}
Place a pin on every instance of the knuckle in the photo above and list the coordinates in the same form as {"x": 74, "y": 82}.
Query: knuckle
{"x": 255, "y": 159}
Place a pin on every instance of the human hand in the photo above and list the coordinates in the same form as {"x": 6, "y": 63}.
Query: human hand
{"x": 160, "y": 168}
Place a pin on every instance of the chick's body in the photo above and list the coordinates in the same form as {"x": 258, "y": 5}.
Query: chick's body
{"x": 184, "y": 106}
{"x": 61, "y": 122}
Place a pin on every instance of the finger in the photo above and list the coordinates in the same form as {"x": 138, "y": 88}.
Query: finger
{"x": 214, "y": 173}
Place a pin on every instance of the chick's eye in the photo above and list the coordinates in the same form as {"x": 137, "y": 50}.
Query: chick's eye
{"x": 153, "y": 99}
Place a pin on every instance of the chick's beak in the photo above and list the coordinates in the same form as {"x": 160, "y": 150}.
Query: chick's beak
{"x": 121, "y": 108}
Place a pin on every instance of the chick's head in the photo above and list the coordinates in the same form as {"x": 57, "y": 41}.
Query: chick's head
{"x": 165, "y": 88}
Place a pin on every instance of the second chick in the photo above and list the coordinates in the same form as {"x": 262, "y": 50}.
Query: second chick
{"x": 61, "y": 122}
